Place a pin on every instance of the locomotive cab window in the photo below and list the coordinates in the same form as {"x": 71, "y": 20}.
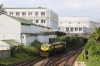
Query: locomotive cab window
{"x": 47, "y": 47}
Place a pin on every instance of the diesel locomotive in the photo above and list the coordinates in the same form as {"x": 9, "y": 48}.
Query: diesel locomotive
{"x": 48, "y": 50}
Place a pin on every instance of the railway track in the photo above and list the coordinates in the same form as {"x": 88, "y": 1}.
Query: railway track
{"x": 29, "y": 62}
{"x": 63, "y": 60}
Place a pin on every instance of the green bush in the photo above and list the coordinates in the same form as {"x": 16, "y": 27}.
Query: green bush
{"x": 60, "y": 33}
{"x": 31, "y": 50}
{"x": 72, "y": 41}
{"x": 93, "y": 47}
{"x": 53, "y": 40}
{"x": 22, "y": 54}
{"x": 36, "y": 44}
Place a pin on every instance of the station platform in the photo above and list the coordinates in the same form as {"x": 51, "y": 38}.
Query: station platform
{"x": 79, "y": 64}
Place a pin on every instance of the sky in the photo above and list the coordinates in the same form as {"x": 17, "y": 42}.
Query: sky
{"x": 64, "y": 8}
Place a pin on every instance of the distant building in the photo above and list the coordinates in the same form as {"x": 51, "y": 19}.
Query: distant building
{"x": 40, "y": 16}
{"x": 82, "y": 26}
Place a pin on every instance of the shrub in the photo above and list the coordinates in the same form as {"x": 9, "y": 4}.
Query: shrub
{"x": 60, "y": 33}
{"x": 53, "y": 40}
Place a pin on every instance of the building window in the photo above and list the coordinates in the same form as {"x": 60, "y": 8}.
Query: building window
{"x": 42, "y": 21}
{"x": 67, "y": 29}
{"x": 5, "y": 12}
{"x": 71, "y": 29}
{"x": 76, "y": 29}
{"x": 29, "y": 13}
{"x": 36, "y": 21}
{"x": 59, "y": 28}
{"x": 36, "y": 13}
{"x": 29, "y": 20}
{"x": 23, "y": 13}
{"x": 11, "y": 13}
{"x": 69, "y": 22}
{"x": 17, "y": 13}
{"x": 32, "y": 21}
{"x": 80, "y": 29}
{"x": 42, "y": 13}
{"x": 78, "y": 22}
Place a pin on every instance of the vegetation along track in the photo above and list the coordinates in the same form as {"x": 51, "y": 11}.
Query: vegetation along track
{"x": 66, "y": 59}
{"x": 30, "y": 62}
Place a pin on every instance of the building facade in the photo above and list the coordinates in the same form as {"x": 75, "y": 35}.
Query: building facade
{"x": 77, "y": 25}
{"x": 40, "y": 16}
{"x": 22, "y": 30}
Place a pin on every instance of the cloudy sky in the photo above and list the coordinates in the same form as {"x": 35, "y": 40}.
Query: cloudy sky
{"x": 64, "y": 8}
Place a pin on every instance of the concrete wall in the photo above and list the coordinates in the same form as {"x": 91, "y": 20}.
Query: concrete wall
{"x": 25, "y": 29}
{"x": 5, "y": 53}
{"x": 30, "y": 39}
{"x": 9, "y": 28}
{"x": 33, "y": 10}
{"x": 52, "y": 36}
{"x": 4, "y": 50}
{"x": 40, "y": 29}
{"x": 48, "y": 17}
{"x": 33, "y": 29}
{"x": 43, "y": 39}
{"x": 23, "y": 39}
{"x": 77, "y": 22}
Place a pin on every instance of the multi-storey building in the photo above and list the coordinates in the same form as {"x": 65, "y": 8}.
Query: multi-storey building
{"x": 40, "y": 16}
{"x": 77, "y": 25}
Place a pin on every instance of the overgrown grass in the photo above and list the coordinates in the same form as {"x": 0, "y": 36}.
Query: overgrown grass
{"x": 81, "y": 58}
{"x": 28, "y": 52}
{"x": 19, "y": 57}
{"x": 22, "y": 54}
{"x": 93, "y": 48}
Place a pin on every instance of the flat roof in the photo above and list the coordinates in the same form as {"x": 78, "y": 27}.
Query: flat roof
{"x": 25, "y": 8}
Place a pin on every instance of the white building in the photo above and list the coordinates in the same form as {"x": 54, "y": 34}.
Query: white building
{"x": 21, "y": 30}
{"x": 77, "y": 25}
{"x": 40, "y": 15}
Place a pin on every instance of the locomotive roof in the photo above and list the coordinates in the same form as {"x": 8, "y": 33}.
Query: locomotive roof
{"x": 57, "y": 43}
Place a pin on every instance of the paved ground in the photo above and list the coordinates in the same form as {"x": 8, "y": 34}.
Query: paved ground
{"x": 79, "y": 64}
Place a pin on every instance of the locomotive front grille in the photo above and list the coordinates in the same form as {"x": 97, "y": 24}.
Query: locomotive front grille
{"x": 45, "y": 54}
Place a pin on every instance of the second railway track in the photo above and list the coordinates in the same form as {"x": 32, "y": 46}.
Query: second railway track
{"x": 64, "y": 59}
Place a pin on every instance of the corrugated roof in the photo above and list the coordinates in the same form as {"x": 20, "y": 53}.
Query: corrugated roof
{"x": 12, "y": 42}
{"x": 24, "y": 21}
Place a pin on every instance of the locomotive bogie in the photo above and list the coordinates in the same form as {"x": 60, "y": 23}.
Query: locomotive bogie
{"x": 44, "y": 54}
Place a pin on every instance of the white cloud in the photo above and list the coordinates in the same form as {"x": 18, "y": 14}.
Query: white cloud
{"x": 61, "y": 7}
{"x": 78, "y": 4}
